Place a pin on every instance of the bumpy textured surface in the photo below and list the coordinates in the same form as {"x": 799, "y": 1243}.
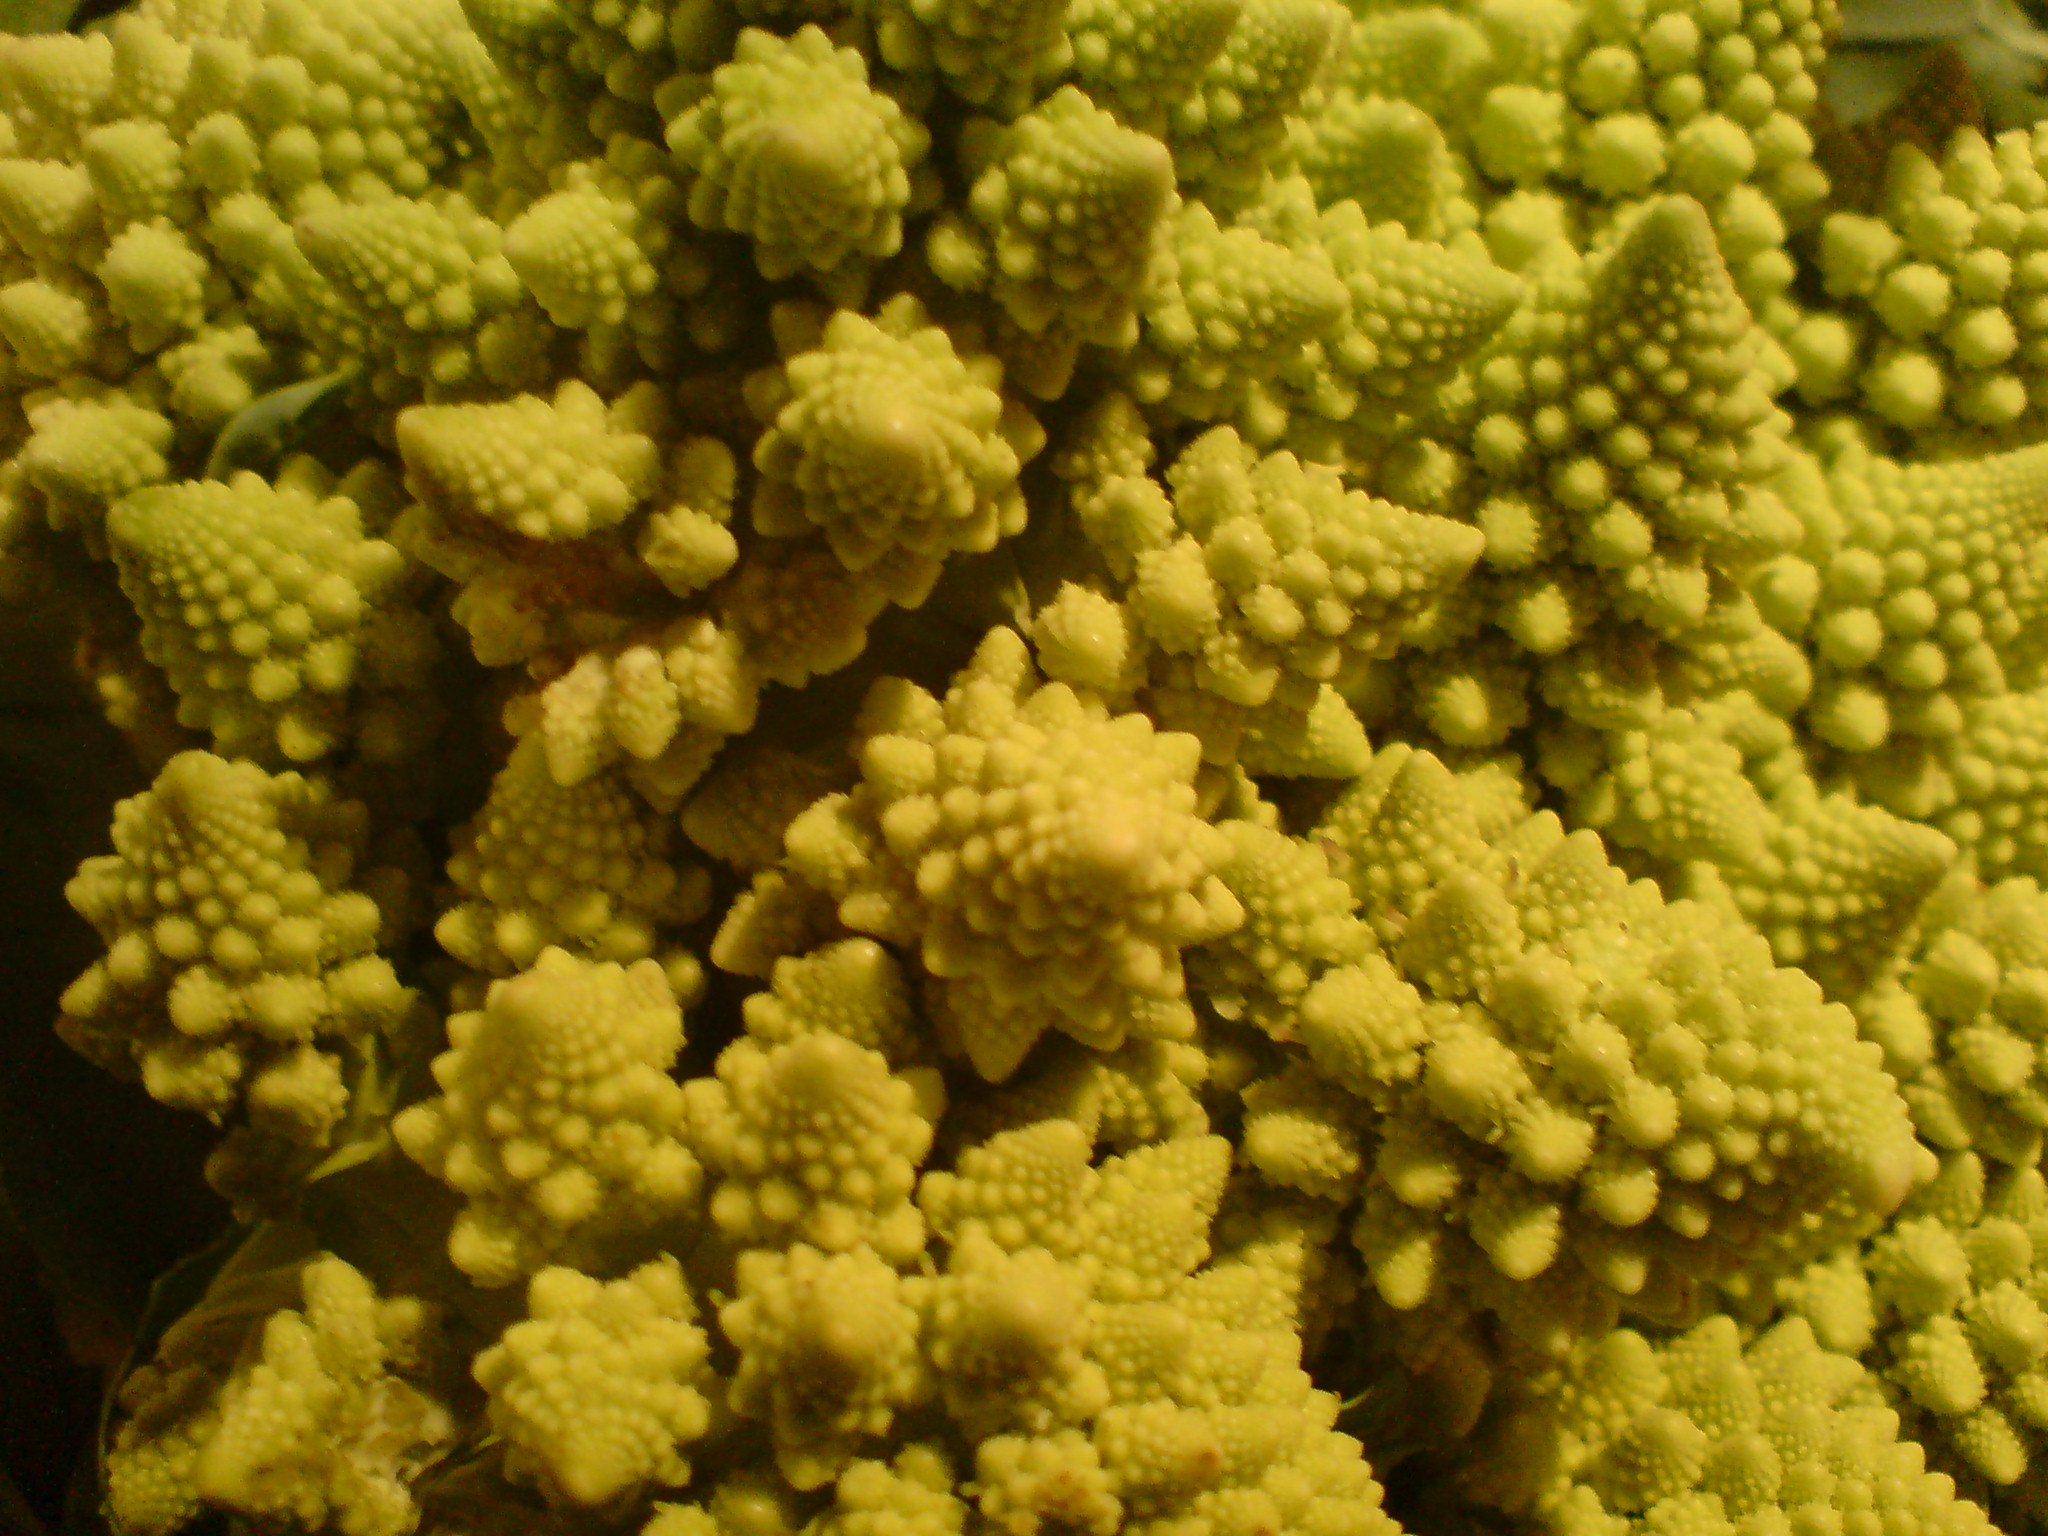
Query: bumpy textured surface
{"x": 990, "y": 55}
{"x": 1300, "y": 920}
{"x": 1700, "y": 1433}
{"x": 1832, "y": 883}
{"x": 1235, "y": 116}
{"x": 580, "y": 867}
{"x": 268, "y": 608}
{"x": 1224, "y": 311}
{"x": 792, "y": 149}
{"x": 318, "y": 1427}
{"x": 1262, "y": 581}
{"x": 1584, "y": 515}
{"x": 1064, "y": 220}
{"x": 1012, "y": 822}
{"x": 1417, "y": 309}
{"x": 1946, "y": 1307}
{"x": 546, "y": 469}
{"x": 1577, "y": 1093}
{"x": 886, "y": 441}
{"x": 1101, "y": 520}
{"x": 828, "y": 1354}
{"x": 1929, "y": 599}
{"x": 1937, "y": 284}
{"x": 241, "y": 970}
{"x": 1958, "y": 1021}
{"x": 1137, "y": 58}
{"x": 85, "y": 455}
{"x": 854, "y": 988}
{"x": 595, "y": 1391}
{"x": 815, "y": 1140}
{"x": 557, "y": 1120}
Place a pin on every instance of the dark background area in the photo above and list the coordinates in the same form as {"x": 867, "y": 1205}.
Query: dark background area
{"x": 100, "y": 1188}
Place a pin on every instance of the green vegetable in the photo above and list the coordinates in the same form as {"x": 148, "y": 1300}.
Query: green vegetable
{"x": 1355, "y": 692}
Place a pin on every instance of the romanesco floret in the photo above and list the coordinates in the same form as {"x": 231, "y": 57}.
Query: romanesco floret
{"x": 1968, "y": 1359}
{"x": 814, "y": 1140}
{"x": 661, "y": 707}
{"x": 557, "y": 1120}
{"x": 1300, "y": 919}
{"x": 1988, "y": 783}
{"x": 792, "y": 148}
{"x": 828, "y": 1347}
{"x": 1957, "y": 1021}
{"x": 910, "y": 1495}
{"x": 596, "y": 1391}
{"x": 1137, "y": 58}
{"x": 688, "y": 544}
{"x": 319, "y": 1430}
{"x": 1024, "y": 1188}
{"x": 1234, "y": 115}
{"x": 545, "y": 469}
{"x": 155, "y": 282}
{"x": 1702, "y": 1434}
{"x": 277, "y": 618}
{"x": 887, "y": 442}
{"x": 1186, "y": 1379}
{"x": 1609, "y": 104}
{"x": 853, "y": 988}
{"x": 740, "y": 809}
{"x": 1936, "y": 326}
{"x": 317, "y": 1427}
{"x": 1224, "y": 310}
{"x": 587, "y": 253}
{"x": 399, "y": 68}
{"x": 85, "y": 455}
{"x": 1152, "y": 1210}
{"x": 1063, "y": 221}
{"x": 241, "y": 971}
{"x": 1130, "y": 1047}
{"x": 1145, "y": 1091}
{"x": 1387, "y": 156}
{"x": 51, "y": 331}
{"x": 1418, "y": 310}
{"x": 989, "y": 55}
{"x": 1005, "y": 1331}
{"x": 583, "y": 867}
{"x": 796, "y": 611}
{"x": 1924, "y": 602}
{"x": 422, "y": 285}
{"x": 1945, "y": 1307}
{"x": 1011, "y": 823}
{"x": 1599, "y": 1093}
{"x": 1031, "y": 1482}
{"x": 1585, "y": 514}
{"x": 1833, "y": 884}
{"x": 1302, "y": 1131}
{"x": 1271, "y": 581}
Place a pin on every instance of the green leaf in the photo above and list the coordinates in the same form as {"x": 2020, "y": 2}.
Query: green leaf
{"x": 173, "y": 1295}
{"x": 351, "y": 1154}
{"x": 1941, "y": 21}
{"x": 2011, "y": 28}
{"x": 265, "y": 430}
{"x": 1884, "y": 45}
{"x": 205, "y": 1306}
{"x": 208, "y": 1301}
